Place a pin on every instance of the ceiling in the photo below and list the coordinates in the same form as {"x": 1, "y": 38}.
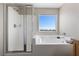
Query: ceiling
{"x": 48, "y": 5}
{"x": 40, "y": 5}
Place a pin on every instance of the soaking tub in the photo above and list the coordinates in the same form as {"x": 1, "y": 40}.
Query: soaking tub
{"x": 56, "y": 45}
{"x": 55, "y": 39}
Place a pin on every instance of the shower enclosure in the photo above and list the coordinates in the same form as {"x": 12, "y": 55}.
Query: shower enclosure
{"x": 17, "y": 28}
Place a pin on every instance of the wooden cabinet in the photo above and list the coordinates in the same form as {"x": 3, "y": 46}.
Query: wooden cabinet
{"x": 76, "y": 48}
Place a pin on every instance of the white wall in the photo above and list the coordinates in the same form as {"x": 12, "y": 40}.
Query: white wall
{"x": 1, "y": 29}
{"x": 15, "y": 35}
{"x": 69, "y": 19}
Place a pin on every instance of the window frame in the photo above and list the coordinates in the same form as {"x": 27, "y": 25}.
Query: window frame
{"x": 57, "y": 22}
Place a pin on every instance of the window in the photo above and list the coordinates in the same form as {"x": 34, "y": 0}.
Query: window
{"x": 47, "y": 22}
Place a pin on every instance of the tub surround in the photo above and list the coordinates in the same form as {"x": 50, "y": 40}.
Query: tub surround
{"x": 50, "y": 45}
{"x": 52, "y": 39}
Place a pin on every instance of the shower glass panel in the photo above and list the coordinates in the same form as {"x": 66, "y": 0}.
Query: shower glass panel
{"x": 15, "y": 30}
{"x": 28, "y": 16}
{"x": 19, "y": 28}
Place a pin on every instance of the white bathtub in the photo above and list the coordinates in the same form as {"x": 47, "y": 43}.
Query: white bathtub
{"x": 46, "y": 39}
{"x": 46, "y": 45}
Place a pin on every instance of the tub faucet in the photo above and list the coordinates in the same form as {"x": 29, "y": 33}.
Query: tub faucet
{"x": 58, "y": 37}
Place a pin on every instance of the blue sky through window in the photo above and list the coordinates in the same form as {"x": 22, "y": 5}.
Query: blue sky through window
{"x": 47, "y": 22}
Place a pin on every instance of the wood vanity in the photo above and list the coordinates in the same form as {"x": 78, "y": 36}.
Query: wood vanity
{"x": 76, "y": 48}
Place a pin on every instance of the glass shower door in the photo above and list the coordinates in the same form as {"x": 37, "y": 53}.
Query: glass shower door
{"x": 15, "y": 30}
{"x": 19, "y": 28}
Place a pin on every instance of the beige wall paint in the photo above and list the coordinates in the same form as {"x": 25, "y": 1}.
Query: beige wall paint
{"x": 69, "y": 19}
{"x": 36, "y": 13}
{"x": 1, "y": 29}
